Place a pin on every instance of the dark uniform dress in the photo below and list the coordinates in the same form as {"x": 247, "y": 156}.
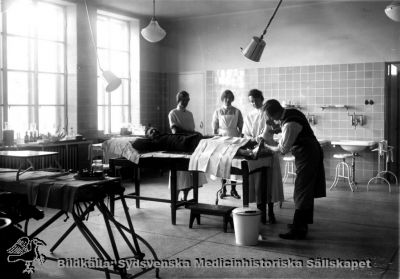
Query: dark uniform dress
{"x": 310, "y": 179}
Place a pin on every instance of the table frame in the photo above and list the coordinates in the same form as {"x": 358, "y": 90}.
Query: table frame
{"x": 182, "y": 164}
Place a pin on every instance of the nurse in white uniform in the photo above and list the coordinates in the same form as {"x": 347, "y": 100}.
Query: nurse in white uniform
{"x": 255, "y": 128}
{"x": 228, "y": 121}
{"x": 181, "y": 121}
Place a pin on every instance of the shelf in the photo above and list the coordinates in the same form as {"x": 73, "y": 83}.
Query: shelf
{"x": 335, "y": 107}
{"x": 292, "y": 106}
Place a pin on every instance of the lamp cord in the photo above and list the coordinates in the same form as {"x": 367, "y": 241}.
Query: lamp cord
{"x": 270, "y": 20}
{"x": 154, "y": 9}
{"x": 92, "y": 36}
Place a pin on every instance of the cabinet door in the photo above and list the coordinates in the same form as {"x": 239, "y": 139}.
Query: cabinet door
{"x": 194, "y": 84}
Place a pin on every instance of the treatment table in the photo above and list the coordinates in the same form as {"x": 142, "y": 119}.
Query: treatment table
{"x": 179, "y": 162}
{"x": 79, "y": 197}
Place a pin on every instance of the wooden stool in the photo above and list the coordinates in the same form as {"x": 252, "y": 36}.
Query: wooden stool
{"x": 209, "y": 209}
{"x": 289, "y": 168}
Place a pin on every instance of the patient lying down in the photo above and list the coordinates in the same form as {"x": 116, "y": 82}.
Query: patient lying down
{"x": 155, "y": 141}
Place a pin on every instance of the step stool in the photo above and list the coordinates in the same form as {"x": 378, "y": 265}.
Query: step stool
{"x": 210, "y": 209}
{"x": 289, "y": 167}
{"x": 341, "y": 169}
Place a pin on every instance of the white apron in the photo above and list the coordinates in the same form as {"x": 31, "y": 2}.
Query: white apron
{"x": 228, "y": 124}
{"x": 228, "y": 127}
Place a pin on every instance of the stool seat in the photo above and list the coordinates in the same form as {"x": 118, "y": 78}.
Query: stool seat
{"x": 342, "y": 156}
{"x": 197, "y": 209}
{"x": 288, "y": 158}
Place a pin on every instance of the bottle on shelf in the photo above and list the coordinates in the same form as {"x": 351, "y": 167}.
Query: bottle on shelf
{"x": 26, "y": 138}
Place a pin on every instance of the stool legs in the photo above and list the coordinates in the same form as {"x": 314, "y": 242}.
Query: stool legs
{"x": 380, "y": 176}
{"x": 341, "y": 168}
{"x": 289, "y": 169}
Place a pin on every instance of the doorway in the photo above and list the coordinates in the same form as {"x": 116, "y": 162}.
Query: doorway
{"x": 392, "y": 115}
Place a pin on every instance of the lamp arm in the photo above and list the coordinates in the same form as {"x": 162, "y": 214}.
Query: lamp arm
{"x": 270, "y": 20}
{"x": 92, "y": 36}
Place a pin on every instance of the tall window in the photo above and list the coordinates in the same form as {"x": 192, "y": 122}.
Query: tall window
{"x": 116, "y": 43}
{"x": 33, "y": 39}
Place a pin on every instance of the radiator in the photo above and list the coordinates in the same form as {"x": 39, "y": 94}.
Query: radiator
{"x": 68, "y": 156}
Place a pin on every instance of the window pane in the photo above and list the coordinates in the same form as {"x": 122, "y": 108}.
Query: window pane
{"x": 50, "y": 57}
{"x": 120, "y": 95}
{"x": 19, "y": 53}
{"x": 20, "y": 18}
{"x": 102, "y": 115}
{"x": 119, "y": 116}
{"x": 102, "y": 96}
{"x": 18, "y": 88}
{"x": 51, "y": 89}
{"x": 18, "y": 118}
{"x": 51, "y": 119}
{"x": 102, "y": 32}
{"x": 119, "y": 36}
{"x": 103, "y": 57}
{"x": 50, "y": 22}
{"x": 120, "y": 63}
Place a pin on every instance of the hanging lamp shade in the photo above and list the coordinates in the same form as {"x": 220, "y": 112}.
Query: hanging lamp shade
{"x": 153, "y": 31}
{"x": 393, "y": 11}
{"x": 112, "y": 80}
{"x": 255, "y": 48}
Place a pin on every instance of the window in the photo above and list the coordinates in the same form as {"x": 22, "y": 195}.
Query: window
{"x": 117, "y": 47}
{"x": 33, "y": 91}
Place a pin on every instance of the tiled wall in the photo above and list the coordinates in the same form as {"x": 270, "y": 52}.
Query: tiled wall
{"x": 312, "y": 87}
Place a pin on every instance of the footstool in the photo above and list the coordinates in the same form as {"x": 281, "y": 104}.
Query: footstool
{"x": 210, "y": 209}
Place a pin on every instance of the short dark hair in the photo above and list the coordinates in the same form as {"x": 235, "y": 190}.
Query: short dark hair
{"x": 272, "y": 107}
{"x": 255, "y": 93}
{"x": 181, "y": 94}
{"x": 227, "y": 93}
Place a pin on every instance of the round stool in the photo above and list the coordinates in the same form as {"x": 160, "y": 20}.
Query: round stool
{"x": 341, "y": 169}
{"x": 289, "y": 168}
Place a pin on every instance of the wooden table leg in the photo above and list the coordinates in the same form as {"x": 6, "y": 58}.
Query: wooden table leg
{"x": 196, "y": 186}
{"x": 245, "y": 187}
{"x": 173, "y": 196}
{"x": 136, "y": 178}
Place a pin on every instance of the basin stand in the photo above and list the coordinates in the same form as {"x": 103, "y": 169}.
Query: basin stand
{"x": 353, "y": 169}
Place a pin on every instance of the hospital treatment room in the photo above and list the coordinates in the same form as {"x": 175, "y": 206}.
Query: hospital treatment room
{"x": 199, "y": 139}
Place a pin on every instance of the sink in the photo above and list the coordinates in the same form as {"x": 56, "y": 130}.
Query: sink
{"x": 354, "y": 145}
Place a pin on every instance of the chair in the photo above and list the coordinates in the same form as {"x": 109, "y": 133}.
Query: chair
{"x": 342, "y": 170}
{"x": 385, "y": 153}
{"x": 289, "y": 168}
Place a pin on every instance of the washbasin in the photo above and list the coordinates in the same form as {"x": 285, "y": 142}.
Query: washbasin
{"x": 354, "y": 146}
{"x": 323, "y": 142}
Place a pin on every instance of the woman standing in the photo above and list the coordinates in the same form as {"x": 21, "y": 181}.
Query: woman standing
{"x": 256, "y": 128}
{"x": 228, "y": 121}
{"x": 181, "y": 121}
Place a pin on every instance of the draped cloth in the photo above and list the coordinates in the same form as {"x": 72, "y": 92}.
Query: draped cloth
{"x": 214, "y": 156}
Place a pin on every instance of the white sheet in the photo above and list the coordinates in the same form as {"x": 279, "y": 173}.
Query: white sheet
{"x": 214, "y": 156}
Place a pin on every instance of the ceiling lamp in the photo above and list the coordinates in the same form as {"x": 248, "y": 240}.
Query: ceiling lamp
{"x": 256, "y": 46}
{"x": 393, "y": 11}
{"x": 113, "y": 82}
{"x": 153, "y": 32}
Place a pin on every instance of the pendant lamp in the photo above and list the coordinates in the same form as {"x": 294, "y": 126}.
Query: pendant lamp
{"x": 153, "y": 32}
{"x": 255, "y": 48}
{"x": 113, "y": 82}
{"x": 393, "y": 11}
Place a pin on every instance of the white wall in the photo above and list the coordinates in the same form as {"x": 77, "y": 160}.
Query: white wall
{"x": 325, "y": 33}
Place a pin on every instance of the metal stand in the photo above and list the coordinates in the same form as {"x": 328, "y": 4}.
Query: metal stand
{"x": 79, "y": 216}
{"x": 380, "y": 175}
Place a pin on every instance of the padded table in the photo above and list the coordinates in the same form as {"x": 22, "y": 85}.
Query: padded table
{"x": 179, "y": 162}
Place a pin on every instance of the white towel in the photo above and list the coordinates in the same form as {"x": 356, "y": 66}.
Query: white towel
{"x": 214, "y": 156}
{"x": 120, "y": 147}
